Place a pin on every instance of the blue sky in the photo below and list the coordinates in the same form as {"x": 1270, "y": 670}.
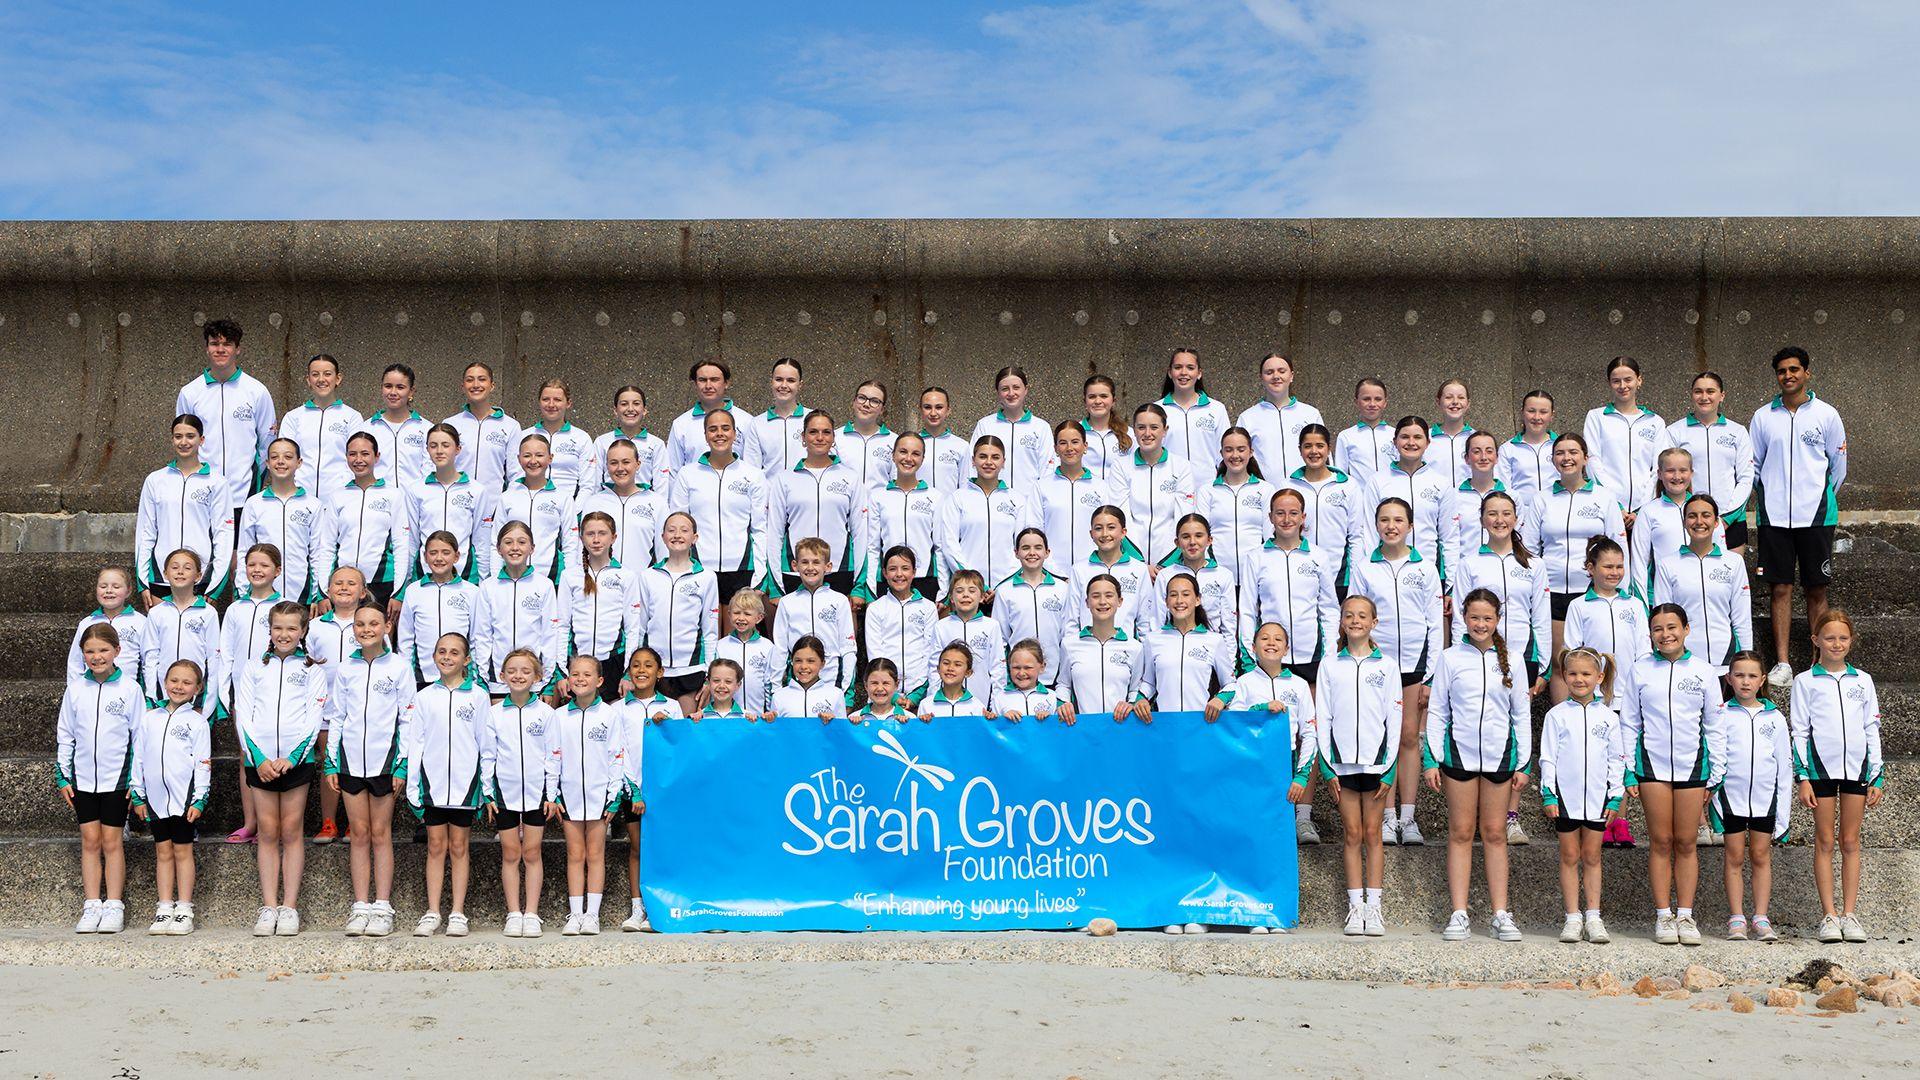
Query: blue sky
{"x": 1151, "y": 108}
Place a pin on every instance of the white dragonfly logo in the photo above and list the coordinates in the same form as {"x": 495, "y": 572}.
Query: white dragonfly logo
{"x": 891, "y": 748}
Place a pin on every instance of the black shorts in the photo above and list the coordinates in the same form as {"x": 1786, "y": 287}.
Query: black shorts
{"x": 677, "y": 686}
{"x": 1678, "y": 785}
{"x": 1364, "y": 783}
{"x": 1412, "y": 678}
{"x": 623, "y": 814}
{"x": 1308, "y": 671}
{"x": 298, "y": 776}
{"x": 509, "y": 820}
{"x": 1533, "y": 670}
{"x": 1560, "y": 602}
{"x": 377, "y": 786}
{"x": 1789, "y": 555}
{"x": 458, "y": 816}
{"x": 1734, "y": 823}
{"x": 109, "y": 808}
{"x": 1827, "y": 789}
{"x": 1736, "y": 533}
{"x": 174, "y": 830}
{"x": 1564, "y": 824}
{"x": 1503, "y": 776}
{"x": 730, "y": 582}
{"x": 381, "y": 591}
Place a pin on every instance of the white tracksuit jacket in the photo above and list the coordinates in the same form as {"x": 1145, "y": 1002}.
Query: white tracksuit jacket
{"x": 172, "y": 767}
{"x": 1583, "y": 759}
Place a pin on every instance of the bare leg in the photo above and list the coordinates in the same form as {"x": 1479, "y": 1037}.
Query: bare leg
{"x": 1413, "y": 718}
{"x": 633, "y": 858}
{"x": 1463, "y": 813}
{"x": 1590, "y": 866}
{"x": 596, "y": 844}
{"x": 1493, "y": 838}
{"x": 1658, "y": 799}
{"x": 1852, "y": 809}
{"x": 1780, "y": 605}
{"x": 1376, "y": 845}
{"x": 379, "y": 829}
{"x": 1760, "y": 855}
{"x": 458, "y": 837}
{"x": 329, "y": 798}
{"x": 359, "y": 852}
{"x": 91, "y": 873}
{"x": 183, "y": 873}
{"x": 293, "y": 841}
{"x": 163, "y": 872}
{"x": 530, "y": 836}
{"x": 1353, "y": 833}
{"x": 436, "y": 864}
{"x": 113, "y": 862}
{"x": 510, "y": 868}
{"x": 1687, "y": 804}
{"x": 1557, "y": 686}
{"x": 1733, "y": 864}
{"x": 266, "y": 847}
{"x": 1571, "y": 844}
{"x": 576, "y": 857}
{"x": 249, "y": 818}
{"x": 1816, "y": 603}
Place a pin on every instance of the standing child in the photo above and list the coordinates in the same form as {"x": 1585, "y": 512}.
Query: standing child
{"x": 182, "y": 505}
{"x": 320, "y": 429}
{"x": 1359, "y": 699}
{"x": 1670, "y": 711}
{"x": 1404, "y": 589}
{"x": 1479, "y": 736}
{"x": 1274, "y": 423}
{"x": 981, "y": 519}
{"x": 680, "y": 602}
{"x": 363, "y": 522}
{"x": 243, "y": 635}
{"x": 329, "y": 640}
{"x": 1160, "y": 484}
{"x": 483, "y": 432}
{"x": 452, "y": 501}
{"x": 1836, "y": 750}
{"x": 1527, "y": 458}
{"x": 1449, "y": 446}
{"x": 723, "y": 690}
{"x": 1194, "y": 420}
{"x": 726, "y": 498}
{"x": 1460, "y": 530}
{"x": 865, "y": 443}
{"x": 952, "y": 693}
{"x": 525, "y": 609}
{"x": 630, "y": 425}
{"x": 1751, "y": 806}
{"x": 600, "y": 600}
{"x": 1069, "y": 495}
{"x": 1186, "y": 658}
{"x": 1421, "y": 484}
{"x": 441, "y": 602}
{"x": 237, "y": 410}
{"x": 753, "y": 651}
{"x": 448, "y": 770}
{"x": 1115, "y": 556}
{"x": 1100, "y": 663}
{"x": 288, "y": 516}
{"x": 1625, "y": 438}
{"x": 1219, "y": 592}
{"x": 882, "y": 688}
{"x": 975, "y": 629}
{"x": 636, "y": 509}
{"x": 1338, "y": 509}
{"x": 778, "y": 430}
{"x": 399, "y": 433}
{"x": 371, "y": 706}
{"x": 113, "y": 605}
{"x": 586, "y": 778}
{"x": 1613, "y": 622}
{"x": 170, "y": 775}
{"x": 1583, "y": 762}
{"x": 1023, "y": 694}
{"x": 574, "y": 470}
{"x": 185, "y": 627}
{"x": 522, "y": 730}
{"x": 899, "y": 624}
{"x": 1659, "y": 529}
{"x": 821, "y": 498}
{"x": 1562, "y": 519}
{"x": 1364, "y": 450}
{"x": 1035, "y": 604}
{"x": 537, "y": 500}
{"x": 94, "y": 737}
{"x": 1711, "y": 584}
{"x": 279, "y": 702}
{"x": 904, "y": 512}
{"x": 643, "y": 704}
{"x": 1023, "y": 436}
{"x": 806, "y": 693}
{"x": 816, "y": 609}
{"x": 1270, "y": 686}
{"x": 1108, "y": 442}
{"x": 1290, "y": 582}
{"x": 946, "y": 462}
{"x": 1237, "y": 502}
{"x": 1721, "y": 451}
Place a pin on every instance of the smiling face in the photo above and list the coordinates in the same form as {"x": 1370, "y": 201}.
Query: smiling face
{"x": 1707, "y": 395}
{"x": 1070, "y": 446}
{"x": 1012, "y": 391}
{"x": 1106, "y": 532}
{"x": 678, "y": 533}
{"x": 1182, "y": 598}
{"x": 783, "y": 385}
{"x": 583, "y": 678}
{"x": 186, "y": 441}
{"x": 1194, "y": 538}
{"x": 182, "y": 569}
{"x": 362, "y": 456}
{"x": 720, "y": 433}
{"x": 1270, "y": 644}
{"x": 1453, "y": 401}
{"x": 1411, "y": 441}
{"x": 1676, "y": 475}
{"x": 535, "y": 457}
{"x": 630, "y": 408}
{"x": 450, "y": 656}
{"x": 370, "y": 627}
{"x": 622, "y": 464}
{"x": 987, "y": 462}
{"x": 1610, "y": 569}
{"x": 1276, "y": 377}
{"x": 1183, "y": 370}
{"x": 345, "y": 588}
{"x": 1498, "y": 517}
{"x": 811, "y": 566}
{"x": 112, "y": 589}
{"x": 965, "y": 596}
{"x": 934, "y": 409}
{"x": 1536, "y": 413}
{"x": 520, "y": 673}
{"x": 1570, "y": 461}
{"x": 1357, "y": 617}
{"x": 881, "y": 686}
{"x": 1482, "y": 620}
{"x": 99, "y": 655}
{"x": 1023, "y": 669}
{"x": 1482, "y": 455}
{"x": 909, "y": 451}
{"x": 1098, "y": 398}
{"x": 806, "y": 664}
{"x": 1288, "y": 516}
{"x": 1624, "y": 382}
{"x": 441, "y": 556}
{"x": 1236, "y": 450}
{"x": 817, "y": 436}
{"x": 1314, "y": 450}
{"x": 283, "y": 458}
{"x": 1834, "y": 642}
{"x": 1582, "y": 673}
{"x": 1031, "y": 550}
{"x": 516, "y": 547}
{"x": 286, "y": 632}
{"x": 182, "y": 685}
{"x": 1669, "y": 633}
{"x": 1391, "y": 524}
{"x": 1103, "y": 600}
{"x": 323, "y": 380}
{"x": 477, "y": 384}
{"x": 869, "y": 404}
{"x": 955, "y": 666}
{"x": 1371, "y": 402}
{"x": 1149, "y": 430}
{"x": 899, "y": 574}
{"x": 643, "y": 671}
{"x": 261, "y": 569}
{"x": 1791, "y": 374}
{"x": 1701, "y": 521}
{"x": 554, "y": 404}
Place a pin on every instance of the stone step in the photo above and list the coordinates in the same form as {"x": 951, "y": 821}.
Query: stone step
{"x": 40, "y": 888}
{"x": 1881, "y": 647}
{"x": 34, "y": 644}
{"x": 47, "y": 581}
{"x": 36, "y": 809}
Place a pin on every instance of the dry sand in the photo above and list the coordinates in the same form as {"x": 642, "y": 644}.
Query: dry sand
{"x": 760, "y": 1018}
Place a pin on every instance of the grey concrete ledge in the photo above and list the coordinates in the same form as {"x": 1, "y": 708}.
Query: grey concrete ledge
{"x": 1315, "y": 954}
{"x": 442, "y": 252}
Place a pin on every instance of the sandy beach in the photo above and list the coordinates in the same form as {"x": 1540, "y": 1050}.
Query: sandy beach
{"x": 734, "y": 1015}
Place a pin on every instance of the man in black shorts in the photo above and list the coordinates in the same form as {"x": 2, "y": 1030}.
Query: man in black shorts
{"x": 1800, "y": 460}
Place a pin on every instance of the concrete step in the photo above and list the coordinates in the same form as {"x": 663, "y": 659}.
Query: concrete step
{"x": 1883, "y": 645}
{"x": 34, "y": 644}
{"x": 36, "y": 809}
{"x": 45, "y": 581}
{"x": 40, "y": 888}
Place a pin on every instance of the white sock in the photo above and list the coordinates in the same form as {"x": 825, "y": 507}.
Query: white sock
{"x": 637, "y": 908}
{"x": 1303, "y": 812}
{"x": 162, "y": 908}
{"x": 1499, "y": 915}
{"x": 516, "y": 915}
{"x": 1460, "y": 913}
{"x": 576, "y": 905}
{"x": 183, "y": 907}
{"x": 1406, "y": 813}
{"x": 1353, "y": 897}
{"x": 1685, "y": 913}
{"x": 1373, "y": 896}
{"x": 593, "y": 904}
{"x": 1664, "y": 913}
{"x": 1593, "y": 913}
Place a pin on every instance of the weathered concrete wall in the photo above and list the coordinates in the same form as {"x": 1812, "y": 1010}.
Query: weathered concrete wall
{"x": 98, "y": 320}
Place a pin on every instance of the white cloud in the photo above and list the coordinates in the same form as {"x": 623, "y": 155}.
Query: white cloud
{"x": 1143, "y": 107}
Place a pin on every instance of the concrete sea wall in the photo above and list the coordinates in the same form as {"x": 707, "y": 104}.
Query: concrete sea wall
{"x": 99, "y": 320}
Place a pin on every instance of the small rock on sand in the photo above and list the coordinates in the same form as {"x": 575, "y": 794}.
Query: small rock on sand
{"x": 1740, "y": 1002}
{"x": 1711, "y": 1006}
{"x": 1101, "y": 927}
{"x": 1677, "y": 995}
{"x": 1646, "y": 987}
{"x": 1839, "y": 1000}
{"x": 1697, "y": 977}
{"x": 1782, "y": 998}
{"x": 1666, "y": 984}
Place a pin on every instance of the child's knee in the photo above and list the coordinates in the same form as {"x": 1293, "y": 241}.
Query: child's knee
{"x": 1849, "y": 845}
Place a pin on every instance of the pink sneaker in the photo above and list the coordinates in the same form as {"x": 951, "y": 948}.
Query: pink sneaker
{"x": 242, "y": 835}
{"x": 1619, "y": 834}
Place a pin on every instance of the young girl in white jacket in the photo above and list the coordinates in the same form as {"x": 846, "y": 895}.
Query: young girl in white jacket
{"x": 1358, "y": 690}
{"x": 1842, "y": 773}
{"x": 93, "y": 740}
{"x": 371, "y": 709}
{"x": 1404, "y": 587}
{"x": 171, "y": 773}
{"x": 1755, "y": 797}
{"x": 522, "y": 728}
{"x": 280, "y": 699}
{"x": 449, "y": 769}
{"x": 586, "y": 780}
{"x": 1583, "y": 762}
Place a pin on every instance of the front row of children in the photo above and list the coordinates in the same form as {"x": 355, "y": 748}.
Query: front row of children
{"x": 1659, "y": 731}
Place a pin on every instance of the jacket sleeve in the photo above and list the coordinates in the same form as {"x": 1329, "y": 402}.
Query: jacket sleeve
{"x": 1549, "y": 764}
{"x": 558, "y": 618}
{"x": 1743, "y": 471}
{"x": 1619, "y": 769}
{"x": 1800, "y": 724}
{"x": 486, "y": 522}
{"x": 778, "y": 561}
{"x": 202, "y": 766}
{"x": 570, "y": 556}
{"x": 407, "y": 770}
{"x": 1876, "y": 762}
{"x": 483, "y": 738}
{"x": 845, "y": 645}
{"x": 479, "y": 649}
{"x": 1783, "y": 780}
{"x": 1742, "y": 604}
{"x": 1520, "y": 705}
{"x": 947, "y": 536}
{"x": 1226, "y": 659}
{"x": 633, "y": 620}
{"x": 77, "y": 664}
{"x": 1148, "y": 678}
{"x": 146, "y": 534}
{"x": 1627, "y": 692}
{"x": 136, "y": 761}
{"x": 1836, "y": 454}
{"x": 1616, "y": 527}
{"x": 1323, "y": 723}
{"x": 265, "y": 423}
{"x": 1716, "y": 728}
{"x": 1436, "y": 626}
{"x": 1640, "y": 569}
{"x": 759, "y": 529}
{"x": 321, "y": 554}
{"x": 1433, "y": 733}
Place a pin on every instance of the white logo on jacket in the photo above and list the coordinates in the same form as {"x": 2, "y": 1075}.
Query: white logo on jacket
{"x": 531, "y": 604}
{"x": 1376, "y": 679}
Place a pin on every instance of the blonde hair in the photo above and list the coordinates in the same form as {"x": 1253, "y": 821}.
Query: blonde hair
{"x": 749, "y": 601}
{"x": 1601, "y": 662}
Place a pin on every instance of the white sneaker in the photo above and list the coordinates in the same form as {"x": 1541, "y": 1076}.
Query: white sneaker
{"x": 264, "y": 924}
{"x": 514, "y": 920}
{"x": 1458, "y": 928}
{"x": 1390, "y": 828}
{"x": 1410, "y": 835}
{"x": 1304, "y": 832}
{"x": 428, "y": 923}
{"x": 530, "y": 925}
{"x": 182, "y": 922}
{"x": 89, "y": 918}
{"x": 589, "y": 925}
{"x": 572, "y": 929}
{"x": 1666, "y": 930}
{"x": 1570, "y": 930}
{"x": 1356, "y": 920}
{"x": 357, "y": 922}
{"x": 1706, "y": 837}
{"x": 1780, "y": 675}
{"x": 1504, "y": 928}
{"x": 1517, "y": 836}
{"x": 1687, "y": 930}
{"x": 113, "y": 917}
{"x": 380, "y": 920}
{"x": 1830, "y": 931}
{"x": 286, "y": 923}
{"x": 1852, "y": 930}
{"x": 1597, "y": 931}
{"x": 1376, "y": 926}
{"x": 636, "y": 922}
{"x": 457, "y": 925}
{"x": 1201, "y": 928}
{"x": 162, "y": 920}
{"x": 1259, "y": 930}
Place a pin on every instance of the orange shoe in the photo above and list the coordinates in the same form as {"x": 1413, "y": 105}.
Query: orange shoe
{"x": 327, "y": 834}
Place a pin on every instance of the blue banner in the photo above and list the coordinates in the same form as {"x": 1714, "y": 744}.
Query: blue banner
{"x": 968, "y": 824}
